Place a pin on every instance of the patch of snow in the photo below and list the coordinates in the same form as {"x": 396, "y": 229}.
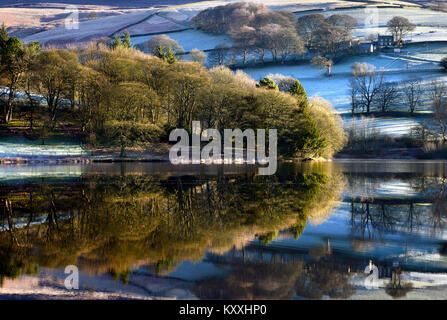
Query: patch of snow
{"x": 190, "y": 39}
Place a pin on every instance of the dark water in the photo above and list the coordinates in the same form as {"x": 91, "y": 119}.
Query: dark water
{"x": 212, "y": 232}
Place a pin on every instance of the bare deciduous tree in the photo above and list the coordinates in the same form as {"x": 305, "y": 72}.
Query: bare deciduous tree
{"x": 330, "y": 39}
{"x": 400, "y": 27}
{"x": 307, "y": 25}
{"x": 343, "y": 20}
{"x": 438, "y": 122}
{"x": 366, "y": 85}
{"x": 218, "y": 55}
{"x": 437, "y": 90}
{"x": 198, "y": 56}
{"x": 280, "y": 41}
{"x": 440, "y": 119}
{"x": 387, "y": 96}
{"x": 244, "y": 40}
{"x": 323, "y": 63}
{"x": 222, "y": 19}
{"x": 412, "y": 94}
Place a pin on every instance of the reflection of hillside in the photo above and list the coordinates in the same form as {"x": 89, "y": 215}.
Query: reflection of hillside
{"x": 252, "y": 280}
{"x": 114, "y": 224}
{"x": 256, "y": 274}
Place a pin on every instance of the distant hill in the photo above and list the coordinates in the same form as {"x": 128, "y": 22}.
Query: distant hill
{"x": 111, "y": 3}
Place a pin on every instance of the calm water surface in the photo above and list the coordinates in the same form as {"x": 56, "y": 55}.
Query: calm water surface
{"x": 213, "y": 232}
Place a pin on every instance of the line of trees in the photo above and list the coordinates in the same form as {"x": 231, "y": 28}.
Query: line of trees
{"x": 371, "y": 92}
{"x": 430, "y": 134}
{"x": 120, "y": 96}
{"x": 257, "y": 32}
{"x": 435, "y": 128}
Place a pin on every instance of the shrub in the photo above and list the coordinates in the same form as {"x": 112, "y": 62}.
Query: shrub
{"x": 268, "y": 84}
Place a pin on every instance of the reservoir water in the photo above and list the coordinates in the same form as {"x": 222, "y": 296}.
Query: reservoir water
{"x": 151, "y": 230}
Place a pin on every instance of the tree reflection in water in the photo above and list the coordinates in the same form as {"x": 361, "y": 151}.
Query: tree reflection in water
{"x": 374, "y": 215}
{"x": 114, "y": 224}
{"x": 396, "y": 287}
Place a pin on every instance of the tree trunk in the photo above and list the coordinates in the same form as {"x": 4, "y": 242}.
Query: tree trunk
{"x": 8, "y": 116}
{"x": 123, "y": 152}
{"x": 31, "y": 118}
{"x": 123, "y": 147}
{"x": 10, "y": 103}
{"x": 9, "y": 106}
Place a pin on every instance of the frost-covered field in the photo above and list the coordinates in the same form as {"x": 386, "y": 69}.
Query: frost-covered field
{"x": 24, "y": 19}
{"x": 21, "y": 147}
{"x": 429, "y": 51}
{"x": 139, "y": 20}
{"x": 190, "y": 39}
{"x": 336, "y": 88}
{"x": 154, "y": 24}
{"x": 90, "y": 30}
{"x": 431, "y": 25}
{"x": 188, "y": 10}
{"x": 143, "y": 21}
{"x": 418, "y": 16}
{"x": 418, "y": 61}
